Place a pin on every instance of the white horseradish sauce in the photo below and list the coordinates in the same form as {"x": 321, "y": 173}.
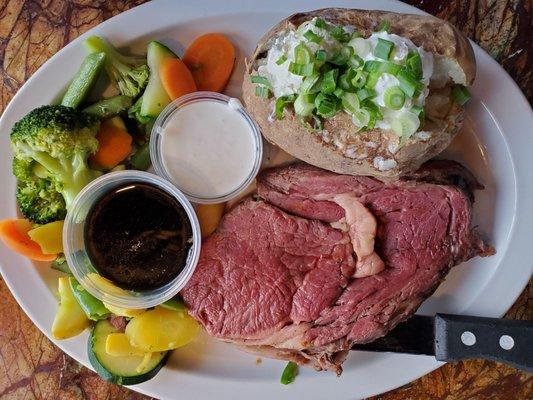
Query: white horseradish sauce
{"x": 208, "y": 148}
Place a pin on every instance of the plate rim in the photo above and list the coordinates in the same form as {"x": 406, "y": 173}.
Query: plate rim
{"x": 505, "y": 80}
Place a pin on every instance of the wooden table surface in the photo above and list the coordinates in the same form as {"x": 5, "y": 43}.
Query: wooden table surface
{"x": 31, "y": 31}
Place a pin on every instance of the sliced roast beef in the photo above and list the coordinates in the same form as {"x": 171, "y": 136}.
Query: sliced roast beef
{"x": 322, "y": 261}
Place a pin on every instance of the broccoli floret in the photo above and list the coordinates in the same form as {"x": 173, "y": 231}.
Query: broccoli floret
{"x": 40, "y": 202}
{"x": 56, "y": 142}
{"x": 134, "y": 112}
{"x": 129, "y": 74}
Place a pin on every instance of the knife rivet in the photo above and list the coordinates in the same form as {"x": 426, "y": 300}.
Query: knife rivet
{"x": 468, "y": 338}
{"x": 506, "y": 342}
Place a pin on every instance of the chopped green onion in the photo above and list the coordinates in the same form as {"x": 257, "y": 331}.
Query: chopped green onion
{"x": 304, "y": 104}
{"x": 281, "y": 102}
{"x": 405, "y": 125}
{"x": 309, "y": 84}
{"x": 313, "y": 37}
{"x": 262, "y": 91}
{"x": 408, "y": 83}
{"x": 382, "y": 66}
{"x": 361, "y": 118}
{"x": 326, "y": 105}
{"x": 361, "y": 46}
{"x": 350, "y": 102}
{"x": 289, "y": 373}
{"x": 302, "y": 55}
{"x": 394, "y": 98}
{"x": 414, "y": 63}
{"x": 383, "y": 49}
{"x": 384, "y": 26}
{"x": 338, "y": 92}
{"x": 345, "y": 80}
{"x": 282, "y": 59}
{"x": 261, "y": 80}
{"x": 374, "y": 112}
{"x": 460, "y": 94}
{"x": 342, "y": 56}
{"x": 301, "y": 69}
{"x": 320, "y": 23}
{"x": 329, "y": 81}
{"x": 320, "y": 55}
{"x": 419, "y": 111}
{"x": 359, "y": 80}
{"x": 340, "y": 34}
{"x": 355, "y": 61}
{"x": 365, "y": 93}
{"x": 371, "y": 79}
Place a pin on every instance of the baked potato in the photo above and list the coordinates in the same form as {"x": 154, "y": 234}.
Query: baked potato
{"x": 337, "y": 143}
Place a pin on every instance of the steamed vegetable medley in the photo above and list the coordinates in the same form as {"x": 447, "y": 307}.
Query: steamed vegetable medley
{"x": 58, "y": 149}
{"x": 321, "y": 69}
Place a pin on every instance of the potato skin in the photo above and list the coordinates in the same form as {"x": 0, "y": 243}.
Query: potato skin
{"x": 318, "y": 148}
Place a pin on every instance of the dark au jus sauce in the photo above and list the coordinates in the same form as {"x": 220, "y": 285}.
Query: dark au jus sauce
{"x": 138, "y": 236}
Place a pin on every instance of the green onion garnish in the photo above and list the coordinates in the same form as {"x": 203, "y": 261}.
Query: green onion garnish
{"x": 281, "y": 102}
{"x": 365, "y": 93}
{"x": 340, "y": 34}
{"x": 382, "y": 66}
{"x": 289, "y": 373}
{"x": 419, "y": 111}
{"x": 355, "y": 61}
{"x": 262, "y": 91}
{"x": 345, "y": 80}
{"x": 371, "y": 79}
{"x": 282, "y": 59}
{"x": 304, "y": 105}
{"x": 394, "y": 98}
{"x": 408, "y": 83}
{"x": 338, "y": 92}
{"x": 309, "y": 84}
{"x": 384, "y": 26}
{"x": 302, "y": 55}
{"x": 405, "y": 125}
{"x": 261, "y": 80}
{"x": 320, "y": 55}
{"x": 342, "y": 56}
{"x": 460, "y": 94}
{"x": 374, "y": 112}
{"x": 359, "y": 80}
{"x": 361, "y": 118}
{"x": 383, "y": 49}
{"x": 313, "y": 37}
{"x": 414, "y": 63}
{"x": 326, "y": 105}
{"x": 329, "y": 81}
{"x": 301, "y": 69}
{"x": 320, "y": 23}
{"x": 350, "y": 102}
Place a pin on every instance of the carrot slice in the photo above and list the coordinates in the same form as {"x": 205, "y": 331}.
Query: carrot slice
{"x": 14, "y": 233}
{"x": 210, "y": 58}
{"x": 114, "y": 145}
{"x": 176, "y": 78}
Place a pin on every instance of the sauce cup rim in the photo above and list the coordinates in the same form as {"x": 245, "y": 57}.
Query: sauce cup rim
{"x": 79, "y": 262}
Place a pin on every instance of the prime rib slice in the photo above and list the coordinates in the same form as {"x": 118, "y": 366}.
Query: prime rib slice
{"x": 320, "y": 261}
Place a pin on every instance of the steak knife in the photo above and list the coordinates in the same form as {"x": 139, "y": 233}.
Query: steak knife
{"x": 458, "y": 337}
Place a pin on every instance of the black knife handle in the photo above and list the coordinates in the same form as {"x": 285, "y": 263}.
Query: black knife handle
{"x": 460, "y": 337}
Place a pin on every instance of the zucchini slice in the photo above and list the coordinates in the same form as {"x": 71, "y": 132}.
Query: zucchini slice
{"x": 120, "y": 370}
{"x": 155, "y": 97}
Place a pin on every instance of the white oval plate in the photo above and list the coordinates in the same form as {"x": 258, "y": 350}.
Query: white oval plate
{"x": 496, "y": 144}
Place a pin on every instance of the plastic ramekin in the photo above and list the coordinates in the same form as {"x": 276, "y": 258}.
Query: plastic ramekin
{"x": 80, "y": 263}
{"x": 156, "y": 139}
